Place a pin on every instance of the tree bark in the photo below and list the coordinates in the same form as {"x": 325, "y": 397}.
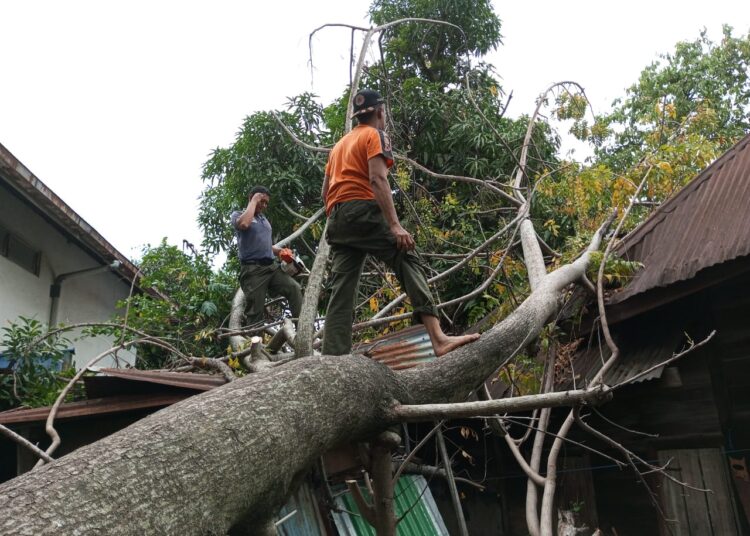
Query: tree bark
{"x": 226, "y": 460}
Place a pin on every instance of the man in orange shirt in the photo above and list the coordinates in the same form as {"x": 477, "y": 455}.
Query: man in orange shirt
{"x": 362, "y": 220}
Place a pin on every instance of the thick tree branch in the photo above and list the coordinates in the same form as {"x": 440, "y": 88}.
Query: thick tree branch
{"x": 489, "y": 408}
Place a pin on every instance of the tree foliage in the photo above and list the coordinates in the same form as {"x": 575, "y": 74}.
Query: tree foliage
{"x": 682, "y": 114}
{"x": 702, "y": 89}
{"x": 433, "y": 52}
{"x": 423, "y": 70}
{"x": 198, "y": 303}
{"x": 263, "y": 154}
{"x": 447, "y": 112}
{"x": 36, "y": 366}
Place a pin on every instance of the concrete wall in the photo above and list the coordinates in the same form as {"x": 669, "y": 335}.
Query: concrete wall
{"x": 88, "y": 298}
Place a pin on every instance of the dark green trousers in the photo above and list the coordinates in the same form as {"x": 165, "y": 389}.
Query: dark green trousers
{"x": 356, "y": 229}
{"x": 257, "y": 280}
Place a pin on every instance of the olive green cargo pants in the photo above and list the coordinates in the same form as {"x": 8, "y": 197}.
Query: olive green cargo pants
{"x": 356, "y": 229}
{"x": 256, "y": 280}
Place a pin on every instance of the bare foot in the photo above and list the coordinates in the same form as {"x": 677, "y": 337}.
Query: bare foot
{"x": 448, "y": 343}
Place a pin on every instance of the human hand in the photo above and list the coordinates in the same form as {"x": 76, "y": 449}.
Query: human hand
{"x": 404, "y": 240}
{"x": 259, "y": 200}
{"x": 286, "y": 255}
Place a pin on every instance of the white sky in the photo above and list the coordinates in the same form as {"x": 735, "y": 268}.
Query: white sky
{"x": 116, "y": 105}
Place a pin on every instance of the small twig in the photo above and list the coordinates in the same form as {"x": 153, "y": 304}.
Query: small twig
{"x": 431, "y": 471}
{"x": 496, "y": 423}
{"x": 49, "y": 428}
{"x": 674, "y": 357}
{"x": 587, "y": 284}
{"x": 127, "y": 307}
{"x": 302, "y": 228}
{"x": 452, "y": 484}
{"x": 621, "y": 427}
{"x": 583, "y": 446}
{"x": 415, "y": 450}
{"x": 600, "y": 287}
{"x": 366, "y": 509}
{"x": 630, "y": 456}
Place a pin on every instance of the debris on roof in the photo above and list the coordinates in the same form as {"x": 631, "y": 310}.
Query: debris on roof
{"x": 702, "y": 225}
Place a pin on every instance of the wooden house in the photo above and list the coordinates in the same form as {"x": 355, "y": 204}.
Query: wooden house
{"x": 695, "y": 251}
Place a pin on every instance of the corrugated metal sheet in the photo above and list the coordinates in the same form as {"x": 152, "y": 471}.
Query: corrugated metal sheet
{"x": 400, "y": 350}
{"x": 411, "y": 494}
{"x": 703, "y": 225}
{"x": 85, "y": 408}
{"x": 637, "y": 354}
{"x": 304, "y": 517}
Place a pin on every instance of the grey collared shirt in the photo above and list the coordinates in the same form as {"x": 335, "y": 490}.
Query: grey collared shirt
{"x": 255, "y": 241}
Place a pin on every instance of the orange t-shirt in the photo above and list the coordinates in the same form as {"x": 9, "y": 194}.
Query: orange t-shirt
{"x": 347, "y": 169}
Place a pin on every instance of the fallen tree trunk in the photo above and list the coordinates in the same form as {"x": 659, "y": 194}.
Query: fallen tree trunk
{"x": 222, "y": 460}
{"x": 226, "y": 460}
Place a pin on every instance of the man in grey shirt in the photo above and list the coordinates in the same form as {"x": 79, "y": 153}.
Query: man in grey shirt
{"x": 259, "y": 271}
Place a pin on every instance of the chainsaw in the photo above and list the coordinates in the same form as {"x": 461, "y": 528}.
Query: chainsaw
{"x": 293, "y": 265}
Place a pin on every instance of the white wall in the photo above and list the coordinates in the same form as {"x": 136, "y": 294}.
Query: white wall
{"x": 88, "y": 298}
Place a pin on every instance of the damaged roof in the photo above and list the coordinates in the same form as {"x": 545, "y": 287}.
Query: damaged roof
{"x": 702, "y": 225}
{"x": 642, "y": 354}
{"x": 122, "y": 390}
{"x": 402, "y": 349}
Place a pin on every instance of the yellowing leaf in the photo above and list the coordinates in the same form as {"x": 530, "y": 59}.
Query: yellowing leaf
{"x": 664, "y": 166}
{"x": 374, "y": 305}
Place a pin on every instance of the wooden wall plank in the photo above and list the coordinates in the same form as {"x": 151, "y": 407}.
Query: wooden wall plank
{"x": 672, "y": 498}
{"x": 576, "y": 490}
{"x": 720, "y": 503}
{"x": 695, "y": 501}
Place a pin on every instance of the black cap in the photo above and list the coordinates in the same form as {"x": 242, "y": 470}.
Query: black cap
{"x": 365, "y": 101}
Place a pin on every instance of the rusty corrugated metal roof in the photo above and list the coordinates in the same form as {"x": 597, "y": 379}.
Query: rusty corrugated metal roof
{"x": 23, "y": 181}
{"x": 400, "y": 350}
{"x": 96, "y": 406}
{"x": 702, "y": 225}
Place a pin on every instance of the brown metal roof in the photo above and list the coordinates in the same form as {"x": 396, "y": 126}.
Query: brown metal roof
{"x": 400, "y": 350}
{"x": 119, "y": 399}
{"x": 187, "y": 380}
{"x": 23, "y": 181}
{"x": 702, "y": 225}
{"x": 96, "y": 406}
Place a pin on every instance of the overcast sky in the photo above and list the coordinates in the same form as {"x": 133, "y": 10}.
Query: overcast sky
{"x": 116, "y": 105}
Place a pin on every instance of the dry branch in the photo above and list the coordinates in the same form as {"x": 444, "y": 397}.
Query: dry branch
{"x": 10, "y": 434}
{"x": 490, "y": 408}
